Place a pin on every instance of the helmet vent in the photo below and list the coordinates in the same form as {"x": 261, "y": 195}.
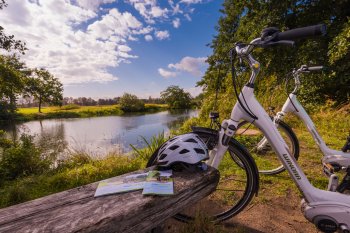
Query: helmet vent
{"x": 191, "y": 140}
{"x": 162, "y": 156}
{"x": 184, "y": 151}
{"x": 199, "y": 151}
{"x": 174, "y": 147}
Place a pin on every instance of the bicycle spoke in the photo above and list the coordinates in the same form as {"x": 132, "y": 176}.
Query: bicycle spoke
{"x": 231, "y": 190}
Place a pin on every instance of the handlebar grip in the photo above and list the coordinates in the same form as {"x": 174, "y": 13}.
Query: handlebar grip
{"x": 298, "y": 33}
{"x": 315, "y": 68}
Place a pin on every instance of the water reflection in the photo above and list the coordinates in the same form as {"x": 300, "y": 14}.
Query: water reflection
{"x": 99, "y": 135}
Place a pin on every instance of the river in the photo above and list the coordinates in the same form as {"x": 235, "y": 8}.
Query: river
{"x": 99, "y": 135}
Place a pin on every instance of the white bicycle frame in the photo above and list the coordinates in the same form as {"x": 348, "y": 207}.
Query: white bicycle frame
{"x": 334, "y": 157}
{"x": 326, "y": 209}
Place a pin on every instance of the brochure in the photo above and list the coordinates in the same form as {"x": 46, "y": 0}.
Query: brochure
{"x": 121, "y": 184}
{"x": 159, "y": 183}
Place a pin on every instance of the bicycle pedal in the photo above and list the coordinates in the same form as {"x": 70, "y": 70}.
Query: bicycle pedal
{"x": 328, "y": 169}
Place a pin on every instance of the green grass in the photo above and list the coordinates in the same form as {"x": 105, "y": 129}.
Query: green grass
{"x": 75, "y": 111}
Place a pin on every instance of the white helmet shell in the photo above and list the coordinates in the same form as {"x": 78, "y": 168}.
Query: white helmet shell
{"x": 187, "y": 148}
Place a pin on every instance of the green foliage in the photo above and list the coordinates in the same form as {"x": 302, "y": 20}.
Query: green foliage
{"x": 145, "y": 153}
{"x": 4, "y": 142}
{"x": 22, "y": 158}
{"x": 339, "y": 56}
{"x": 176, "y": 97}
{"x": 12, "y": 74}
{"x": 244, "y": 21}
{"x": 44, "y": 87}
{"x": 130, "y": 103}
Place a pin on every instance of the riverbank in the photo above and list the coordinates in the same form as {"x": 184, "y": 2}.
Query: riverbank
{"x": 76, "y": 111}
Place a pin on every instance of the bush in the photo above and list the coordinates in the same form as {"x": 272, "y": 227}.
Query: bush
{"x": 130, "y": 103}
{"x": 22, "y": 158}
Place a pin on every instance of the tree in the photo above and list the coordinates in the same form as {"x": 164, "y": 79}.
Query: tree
{"x": 176, "y": 97}
{"x": 45, "y": 88}
{"x": 130, "y": 103}
{"x": 12, "y": 75}
{"x": 244, "y": 20}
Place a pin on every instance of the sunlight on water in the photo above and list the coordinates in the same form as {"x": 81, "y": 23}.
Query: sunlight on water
{"x": 98, "y": 135}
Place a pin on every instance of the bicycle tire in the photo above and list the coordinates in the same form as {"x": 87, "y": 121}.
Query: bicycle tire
{"x": 267, "y": 160}
{"x": 249, "y": 176}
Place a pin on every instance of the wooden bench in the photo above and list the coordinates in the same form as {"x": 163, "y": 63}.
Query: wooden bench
{"x": 77, "y": 210}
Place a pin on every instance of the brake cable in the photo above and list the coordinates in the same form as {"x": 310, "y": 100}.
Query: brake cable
{"x": 288, "y": 78}
{"x": 233, "y": 56}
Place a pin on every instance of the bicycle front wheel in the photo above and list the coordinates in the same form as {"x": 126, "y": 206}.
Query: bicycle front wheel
{"x": 255, "y": 141}
{"x": 237, "y": 185}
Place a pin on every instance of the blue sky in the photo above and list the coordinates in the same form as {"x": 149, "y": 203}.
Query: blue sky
{"x": 103, "y": 48}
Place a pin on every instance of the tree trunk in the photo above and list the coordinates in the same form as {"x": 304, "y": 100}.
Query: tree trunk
{"x": 40, "y": 104}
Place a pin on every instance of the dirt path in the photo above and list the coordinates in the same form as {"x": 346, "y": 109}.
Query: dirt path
{"x": 280, "y": 214}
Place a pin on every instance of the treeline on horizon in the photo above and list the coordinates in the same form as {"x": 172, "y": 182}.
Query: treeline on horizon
{"x": 85, "y": 101}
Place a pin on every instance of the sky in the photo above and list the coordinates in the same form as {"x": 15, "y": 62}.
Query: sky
{"x": 104, "y": 48}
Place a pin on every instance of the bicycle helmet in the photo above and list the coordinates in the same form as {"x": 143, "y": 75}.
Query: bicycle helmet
{"x": 187, "y": 148}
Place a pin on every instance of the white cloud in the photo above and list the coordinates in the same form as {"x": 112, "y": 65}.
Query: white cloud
{"x": 176, "y": 23}
{"x": 79, "y": 40}
{"x": 162, "y": 35}
{"x": 175, "y": 7}
{"x": 194, "y": 91}
{"x": 166, "y": 73}
{"x": 56, "y": 40}
{"x": 188, "y": 17}
{"x": 189, "y": 64}
{"x": 114, "y": 23}
{"x": 149, "y": 9}
{"x": 144, "y": 30}
{"x": 191, "y": 1}
{"x": 93, "y": 5}
{"x": 148, "y": 38}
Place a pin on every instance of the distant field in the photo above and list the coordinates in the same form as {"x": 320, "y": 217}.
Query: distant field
{"x": 71, "y": 111}
{"x": 56, "y": 109}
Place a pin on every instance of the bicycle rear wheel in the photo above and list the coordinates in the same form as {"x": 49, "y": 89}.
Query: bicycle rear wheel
{"x": 237, "y": 186}
{"x": 258, "y": 146}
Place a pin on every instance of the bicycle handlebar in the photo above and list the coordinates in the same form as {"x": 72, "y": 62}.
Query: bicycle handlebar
{"x": 298, "y": 33}
{"x": 315, "y": 68}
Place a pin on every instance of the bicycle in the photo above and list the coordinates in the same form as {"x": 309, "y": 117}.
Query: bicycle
{"x": 328, "y": 210}
{"x": 333, "y": 160}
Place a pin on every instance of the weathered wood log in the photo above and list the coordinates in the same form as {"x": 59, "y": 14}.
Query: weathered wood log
{"x": 77, "y": 210}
